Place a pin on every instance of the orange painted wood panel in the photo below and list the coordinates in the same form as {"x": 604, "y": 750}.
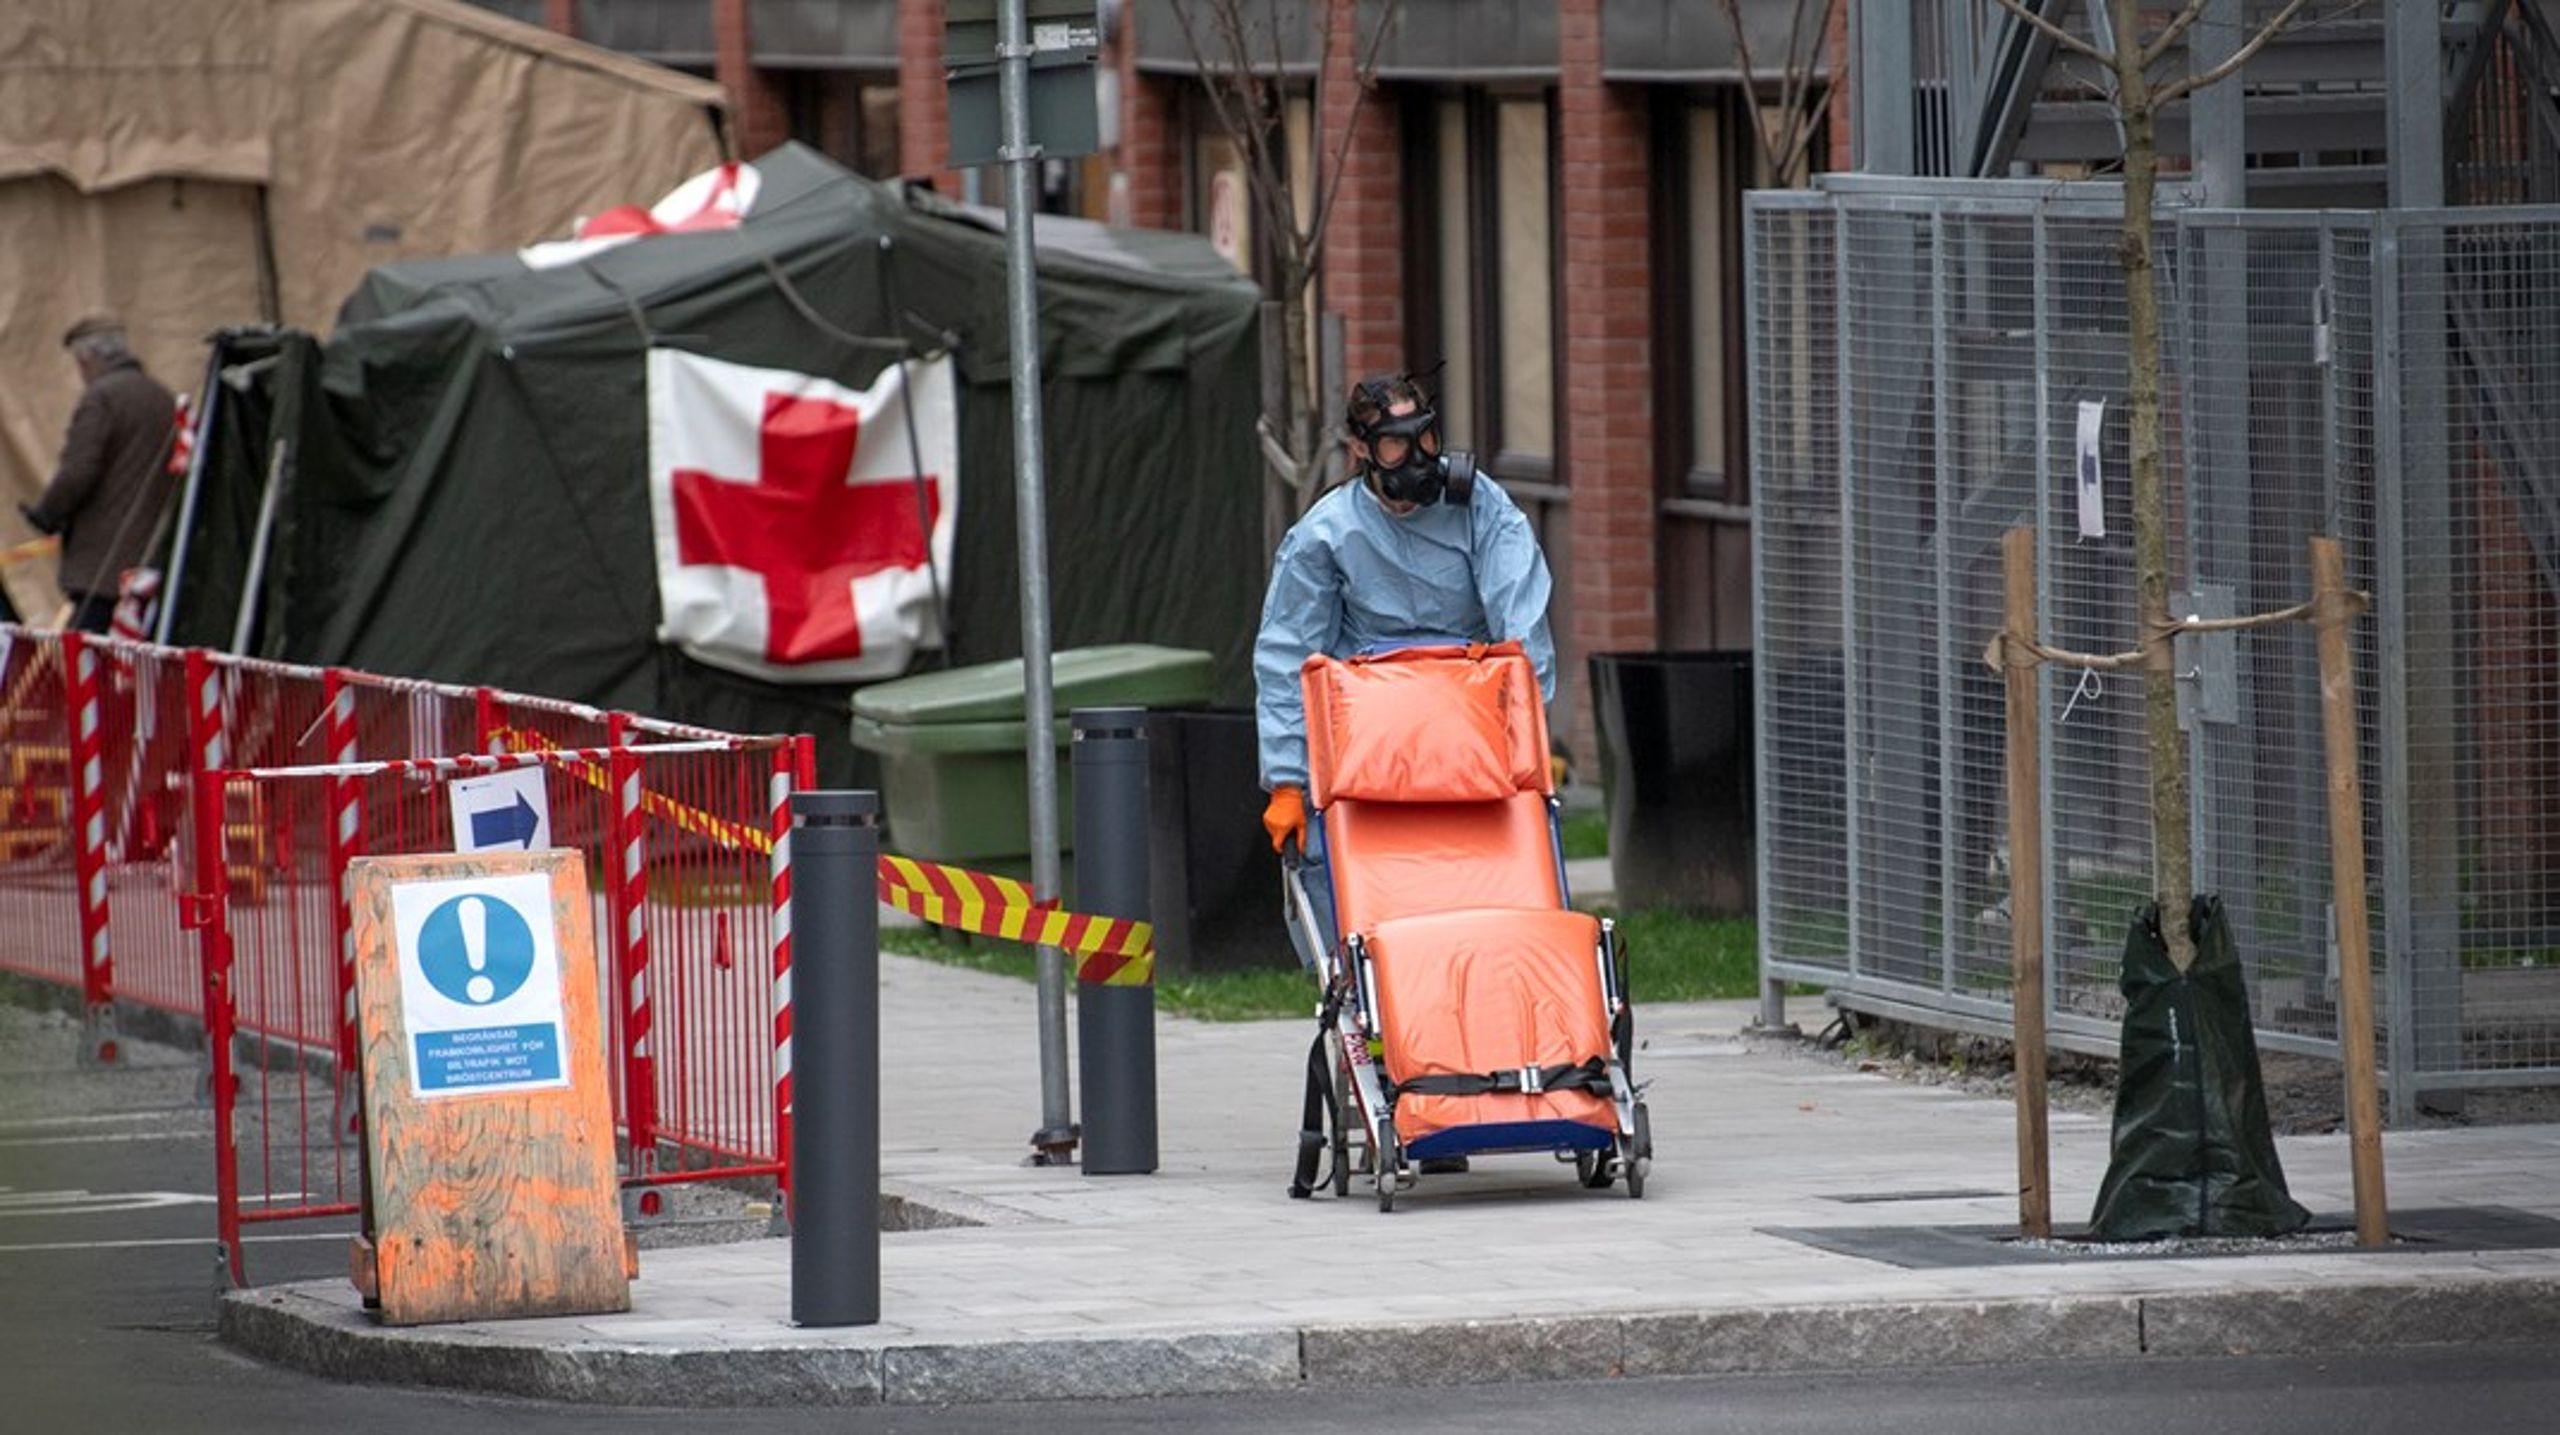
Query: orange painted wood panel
{"x": 485, "y": 1203}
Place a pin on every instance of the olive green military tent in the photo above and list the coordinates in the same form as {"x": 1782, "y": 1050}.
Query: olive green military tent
{"x": 190, "y": 164}
{"x": 462, "y": 469}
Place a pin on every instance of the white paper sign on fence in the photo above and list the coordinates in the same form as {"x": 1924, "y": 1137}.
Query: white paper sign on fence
{"x": 2092, "y": 485}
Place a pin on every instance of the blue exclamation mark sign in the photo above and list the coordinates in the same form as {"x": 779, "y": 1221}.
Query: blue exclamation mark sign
{"x": 476, "y": 950}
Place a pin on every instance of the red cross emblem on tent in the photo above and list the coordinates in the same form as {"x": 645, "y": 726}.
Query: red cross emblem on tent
{"x": 802, "y": 528}
{"x": 794, "y": 538}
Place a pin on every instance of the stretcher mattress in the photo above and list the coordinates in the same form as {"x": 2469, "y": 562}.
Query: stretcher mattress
{"x": 1489, "y": 990}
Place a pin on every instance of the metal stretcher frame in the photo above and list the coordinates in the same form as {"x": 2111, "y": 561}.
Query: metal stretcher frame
{"x": 1359, "y": 1096}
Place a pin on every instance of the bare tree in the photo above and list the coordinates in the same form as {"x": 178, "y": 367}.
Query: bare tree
{"x": 1236, "y": 45}
{"x": 2141, "y": 82}
{"x": 1785, "y": 130}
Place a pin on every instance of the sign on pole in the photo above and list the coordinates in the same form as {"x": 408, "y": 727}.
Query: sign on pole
{"x": 1064, "y": 56}
{"x": 1003, "y": 41}
{"x": 504, "y": 812}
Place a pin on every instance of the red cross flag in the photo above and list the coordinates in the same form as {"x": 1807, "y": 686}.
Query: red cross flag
{"x": 717, "y": 198}
{"x": 795, "y": 540}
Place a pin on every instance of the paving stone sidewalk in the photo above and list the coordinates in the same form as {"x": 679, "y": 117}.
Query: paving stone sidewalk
{"x": 1205, "y": 1277}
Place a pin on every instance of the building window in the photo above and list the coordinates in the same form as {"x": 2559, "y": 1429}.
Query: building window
{"x": 1700, "y": 258}
{"x": 849, "y": 117}
{"x": 1710, "y": 466}
{"x": 1300, "y": 113}
{"x": 1222, "y": 195}
{"x": 1480, "y": 264}
{"x": 1218, "y": 197}
{"x": 1522, "y": 230}
{"x": 1454, "y": 347}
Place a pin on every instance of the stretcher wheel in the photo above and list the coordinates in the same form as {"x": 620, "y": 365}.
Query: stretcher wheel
{"x": 1389, "y": 1159}
{"x": 1592, "y": 1169}
{"x": 1639, "y": 1158}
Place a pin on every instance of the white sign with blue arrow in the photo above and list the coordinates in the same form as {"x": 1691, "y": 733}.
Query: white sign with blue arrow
{"x": 503, "y": 812}
{"x": 480, "y": 985}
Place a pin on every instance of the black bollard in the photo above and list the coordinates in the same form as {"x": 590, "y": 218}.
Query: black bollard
{"x": 1115, "y": 1024}
{"x": 835, "y": 1057}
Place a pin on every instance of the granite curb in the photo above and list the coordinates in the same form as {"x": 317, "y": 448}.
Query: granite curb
{"x": 295, "y": 1327}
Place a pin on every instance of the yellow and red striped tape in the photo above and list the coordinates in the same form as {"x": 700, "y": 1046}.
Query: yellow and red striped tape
{"x": 1109, "y": 951}
{"x": 736, "y": 836}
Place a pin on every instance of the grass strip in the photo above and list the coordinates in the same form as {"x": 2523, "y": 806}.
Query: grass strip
{"x": 1671, "y": 957}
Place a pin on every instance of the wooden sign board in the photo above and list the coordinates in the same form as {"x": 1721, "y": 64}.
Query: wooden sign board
{"x": 488, "y": 1123}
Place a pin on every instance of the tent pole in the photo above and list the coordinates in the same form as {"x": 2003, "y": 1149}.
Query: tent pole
{"x": 196, "y": 461}
{"x": 1055, "y": 1141}
{"x": 248, "y": 614}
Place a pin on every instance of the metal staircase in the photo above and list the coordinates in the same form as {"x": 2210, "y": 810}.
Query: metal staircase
{"x": 2502, "y": 120}
{"x": 1998, "y": 96}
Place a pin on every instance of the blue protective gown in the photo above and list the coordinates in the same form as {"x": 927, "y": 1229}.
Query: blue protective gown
{"x": 1351, "y": 576}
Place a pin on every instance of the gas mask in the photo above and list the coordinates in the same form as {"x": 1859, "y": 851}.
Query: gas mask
{"x": 1405, "y": 462}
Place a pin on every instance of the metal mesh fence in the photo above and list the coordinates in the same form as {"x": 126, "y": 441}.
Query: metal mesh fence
{"x": 2097, "y": 795}
{"x": 1795, "y": 534}
{"x": 2275, "y": 355}
{"x": 1923, "y": 354}
{"x": 2473, "y": 737}
{"x": 1895, "y": 600}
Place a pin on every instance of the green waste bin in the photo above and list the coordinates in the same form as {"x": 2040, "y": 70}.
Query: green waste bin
{"x": 955, "y": 780}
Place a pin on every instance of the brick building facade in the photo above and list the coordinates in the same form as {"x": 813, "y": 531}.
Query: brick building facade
{"x": 1539, "y": 208}
{"x": 1537, "y": 205}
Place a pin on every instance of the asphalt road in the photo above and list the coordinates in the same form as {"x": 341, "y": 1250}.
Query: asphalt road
{"x": 107, "y": 1283}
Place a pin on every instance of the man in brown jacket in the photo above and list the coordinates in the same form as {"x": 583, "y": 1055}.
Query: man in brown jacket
{"x": 100, "y": 497}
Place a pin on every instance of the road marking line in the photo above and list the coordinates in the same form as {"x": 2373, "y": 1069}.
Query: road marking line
{"x": 109, "y": 1203}
{"x": 104, "y": 1138}
{"x": 169, "y": 1241}
{"x": 197, "y": 1113}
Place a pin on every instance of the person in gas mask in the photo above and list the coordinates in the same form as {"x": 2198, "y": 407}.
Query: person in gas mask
{"x": 1419, "y": 548}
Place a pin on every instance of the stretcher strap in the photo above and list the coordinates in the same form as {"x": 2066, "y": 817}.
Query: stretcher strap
{"x": 1590, "y": 1075}
{"x": 1109, "y": 951}
{"x": 1314, "y": 1133}
{"x": 1322, "y": 1119}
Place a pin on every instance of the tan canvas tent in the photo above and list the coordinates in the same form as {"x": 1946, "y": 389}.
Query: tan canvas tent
{"x": 218, "y": 162}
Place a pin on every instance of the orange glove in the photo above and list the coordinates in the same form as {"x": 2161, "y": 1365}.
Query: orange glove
{"x": 1286, "y": 817}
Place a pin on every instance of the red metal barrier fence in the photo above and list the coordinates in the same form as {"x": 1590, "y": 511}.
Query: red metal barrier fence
{"x": 39, "y": 911}
{"x": 175, "y": 828}
{"x": 146, "y": 853}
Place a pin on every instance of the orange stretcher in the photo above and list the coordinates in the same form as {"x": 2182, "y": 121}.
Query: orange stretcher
{"x": 1466, "y": 1009}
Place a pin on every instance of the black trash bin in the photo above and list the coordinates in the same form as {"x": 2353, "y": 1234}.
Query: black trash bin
{"x": 1675, "y": 762}
{"x": 1214, "y": 885}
